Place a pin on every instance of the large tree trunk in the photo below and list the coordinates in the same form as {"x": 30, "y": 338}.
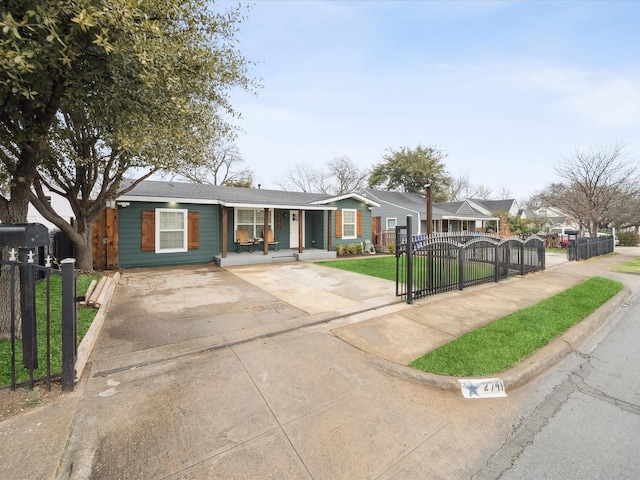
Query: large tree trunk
{"x": 14, "y": 211}
{"x": 5, "y": 298}
{"x": 83, "y": 249}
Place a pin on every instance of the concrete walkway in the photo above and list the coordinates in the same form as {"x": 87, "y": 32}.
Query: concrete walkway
{"x": 204, "y": 372}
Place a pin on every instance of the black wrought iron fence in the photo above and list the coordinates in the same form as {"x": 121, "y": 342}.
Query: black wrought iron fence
{"x": 583, "y": 248}
{"x": 31, "y": 323}
{"x": 440, "y": 263}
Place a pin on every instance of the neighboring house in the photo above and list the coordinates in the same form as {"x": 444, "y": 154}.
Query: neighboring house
{"x": 509, "y": 205}
{"x": 464, "y": 216}
{"x": 171, "y": 223}
{"x": 556, "y": 219}
{"x": 59, "y": 203}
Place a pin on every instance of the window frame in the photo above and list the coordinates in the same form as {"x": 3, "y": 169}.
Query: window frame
{"x": 256, "y": 226}
{"x": 395, "y": 220}
{"x": 185, "y": 230}
{"x": 354, "y": 224}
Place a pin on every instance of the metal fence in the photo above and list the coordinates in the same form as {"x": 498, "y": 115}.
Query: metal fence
{"x": 445, "y": 262}
{"x": 582, "y": 248}
{"x": 31, "y": 329}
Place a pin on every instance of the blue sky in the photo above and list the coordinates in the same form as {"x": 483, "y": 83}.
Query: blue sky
{"x": 507, "y": 89}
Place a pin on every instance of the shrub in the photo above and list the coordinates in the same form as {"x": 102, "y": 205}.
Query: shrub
{"x": 392, "y": 247}
{"x": 348, "y": 249}
{"x": 628, "y": 239}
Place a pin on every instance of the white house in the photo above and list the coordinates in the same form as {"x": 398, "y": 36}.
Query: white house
{"x": 59, "y": 204}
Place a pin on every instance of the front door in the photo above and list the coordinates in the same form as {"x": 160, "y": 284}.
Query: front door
{"x": 294, "y": 223}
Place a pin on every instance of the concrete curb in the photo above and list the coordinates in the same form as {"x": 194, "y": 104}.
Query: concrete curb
{"x": 534, "y": 365}
{"x": 89, "y": 340}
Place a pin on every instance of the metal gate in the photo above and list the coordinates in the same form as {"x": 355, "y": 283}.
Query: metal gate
{"x": 445, "y": 262}
{"x": 32, "y": 343}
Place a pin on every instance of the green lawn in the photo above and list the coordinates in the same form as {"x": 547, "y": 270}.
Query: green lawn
{"x": 85, "y": 317}
{"x": 381, "y": 266}
{"x": 506, "y": 341}
{"x": 632, "y": 266}
{"x": 385, "y": 267}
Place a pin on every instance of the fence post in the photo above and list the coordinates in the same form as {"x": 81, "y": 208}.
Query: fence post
{"x": 69, "y": 323}
{"x": 521, "y": 248}
{"x": 497, "y": 263}
{"x": 28, "y": 310}
{"x": 462, "y": 249}
{"x": 409, "y": 261}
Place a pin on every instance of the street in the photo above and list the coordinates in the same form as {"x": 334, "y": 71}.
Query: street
{"x": 588, "y": 427}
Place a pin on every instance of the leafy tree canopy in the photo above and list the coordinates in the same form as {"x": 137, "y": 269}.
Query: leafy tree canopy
{"x": 409, "y": 170}
{"x": 144, "y": 71}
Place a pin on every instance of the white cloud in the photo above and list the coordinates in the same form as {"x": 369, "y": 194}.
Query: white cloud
{"x": 607, "y": 102}
{"x": 614, "y": 103}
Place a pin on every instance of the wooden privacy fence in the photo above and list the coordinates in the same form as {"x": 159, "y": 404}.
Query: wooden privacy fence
{"x": 445, "y": 262}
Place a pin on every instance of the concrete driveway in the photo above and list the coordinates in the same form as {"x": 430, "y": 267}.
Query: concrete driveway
{"x": 174, "y": 392}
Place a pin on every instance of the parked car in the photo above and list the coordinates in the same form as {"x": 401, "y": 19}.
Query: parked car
{"x": 563, "y": 235}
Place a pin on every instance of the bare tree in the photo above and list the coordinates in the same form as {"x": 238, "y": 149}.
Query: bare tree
{"x": 461, "y": 188}
{"x": 504, "y": 193}
{"x": 599, "y": 183}
{"x": 341, "y": 176}
{"x": 346, "y": 176}
{"x": 482, "y": 192}
{"x": 221, "y": 164}
{"x": 303, "y": 177}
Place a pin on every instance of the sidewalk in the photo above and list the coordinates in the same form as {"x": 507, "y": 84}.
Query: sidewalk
{"x": 429, "y": 323}
{"x": 143, "y": 406}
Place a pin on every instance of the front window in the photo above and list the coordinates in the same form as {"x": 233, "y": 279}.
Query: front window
{"x": 391, "y": 223}
{"x": 171, "y": 230}
{"x": 252, "y": 221}
{"x": 348, "y": 224}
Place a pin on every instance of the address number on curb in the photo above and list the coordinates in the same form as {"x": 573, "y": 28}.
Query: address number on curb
{"x": 482, "y": 388}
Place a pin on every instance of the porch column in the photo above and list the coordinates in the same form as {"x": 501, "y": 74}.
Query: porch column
{"x": 300, "y": 226}
{"x": 224, "y": 232}
{"x": 265, "y": 229}
{"x": 329, "y": 234}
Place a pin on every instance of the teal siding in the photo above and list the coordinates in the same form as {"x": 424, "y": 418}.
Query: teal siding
{"x": 316, "y": 232}
{"x": 351, "y": 204}
{"x": 130, "y": 236}
{"x": 210, "y": 234}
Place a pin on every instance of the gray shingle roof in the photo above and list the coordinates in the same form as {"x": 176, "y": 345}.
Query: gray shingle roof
{"x": 153, "y": 189}
{"x": 495, "y": 205}
{"x": 416, "y": 202}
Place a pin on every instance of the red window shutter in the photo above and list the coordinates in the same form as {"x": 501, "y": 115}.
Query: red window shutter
{"x": 338, "y": 223}
{"x": 359, "y": 223}
{"x": 193, "y": 234}
{"x": 148, "y": 231}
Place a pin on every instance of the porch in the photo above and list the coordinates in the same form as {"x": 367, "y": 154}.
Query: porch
{"x": 282, "y": 255}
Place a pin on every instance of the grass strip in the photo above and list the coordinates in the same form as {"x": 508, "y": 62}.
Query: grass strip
{"x": 85, "y": 317}
{"x": 632, "y": 266}
{"x": 383, "y": 266}
{"x": 508, "y": 340}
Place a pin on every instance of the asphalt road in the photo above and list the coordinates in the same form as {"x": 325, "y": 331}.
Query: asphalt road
{"x": 588, "y": 426}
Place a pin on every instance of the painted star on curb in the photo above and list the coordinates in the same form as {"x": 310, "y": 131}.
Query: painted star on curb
{"x": 473, "y": 389}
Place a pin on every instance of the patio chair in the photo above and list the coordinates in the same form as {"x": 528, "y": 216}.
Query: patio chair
{"x": 242, "y": 240}
{"x": 270, "y": 240}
